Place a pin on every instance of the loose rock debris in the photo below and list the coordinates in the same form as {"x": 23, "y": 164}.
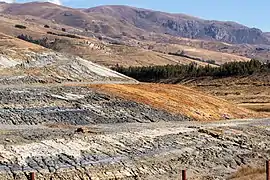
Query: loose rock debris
{"x": 77, "y": 133}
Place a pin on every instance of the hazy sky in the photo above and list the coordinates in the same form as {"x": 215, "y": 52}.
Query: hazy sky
{"x": 253, "y": 13}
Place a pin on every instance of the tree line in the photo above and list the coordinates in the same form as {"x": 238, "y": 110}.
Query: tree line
{"x": 42, "y": 42}
{"x": 167, "y": 72}
{"x": 45, "y": 41}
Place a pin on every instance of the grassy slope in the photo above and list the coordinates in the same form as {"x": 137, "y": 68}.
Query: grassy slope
{"x": 252, "y": 92}
{"x": 249, "y": 173}
{"x": 179, "y": 99}
{"x": 107, "y": 54}
{"x": 219, "y": 57}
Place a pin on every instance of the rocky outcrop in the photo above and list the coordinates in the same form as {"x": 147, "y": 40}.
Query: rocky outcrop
{"x": 215, "y": 31}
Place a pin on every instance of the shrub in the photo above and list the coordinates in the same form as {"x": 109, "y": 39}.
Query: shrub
{"x": 211, "y": 61}
{"x": 63, "y": 29}
{"x": 20, "y": 26}
{"x": 46, "y": 26}
{"x": 42, "y": 42}
{"x": 64, "y": 35}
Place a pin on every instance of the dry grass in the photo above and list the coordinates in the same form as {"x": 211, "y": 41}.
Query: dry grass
{"x": 7, "y": 41}
{"x": 180, "y": 100}
{"x": 108, "y": 54}
{"x": 259, "y": 107}
{"x": 204, "y": 54}
{"x": 140, "y": 57}
{"x": 249, "y": 173}
{"x": 251, "y": 92}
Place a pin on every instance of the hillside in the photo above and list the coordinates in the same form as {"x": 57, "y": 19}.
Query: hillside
{"x": 128, "y": 26}
{"x": 130, "y": 21}
{"x": 108, "y": 53}
{"x": 114, "y": 54}
{"x": 267, "y": 34}
{"x": 26, "y": 63}
{"x": 252, "y": 92}
{"x": 183, "y": 25}
{"x": 23, "y": 63}
{"x": 178, "y": 99}
{"x": 197, "y": 53}
{"x": 66, "y": 114}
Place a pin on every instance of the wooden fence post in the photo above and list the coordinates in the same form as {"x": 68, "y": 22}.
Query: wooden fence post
{"x": 268, "y": 170}
{"x": 32, "y": 175}
{"x": 184, "y": 175}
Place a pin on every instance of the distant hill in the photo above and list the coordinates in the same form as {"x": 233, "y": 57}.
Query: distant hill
{"x": 183, "y": 25}
{"x": 120, "y": 21}
{"x": 109, "y": 51}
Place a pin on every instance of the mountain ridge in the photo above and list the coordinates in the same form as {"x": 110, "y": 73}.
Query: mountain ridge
{"x": 186, "y": 26}
{"x": 114, "y": 20}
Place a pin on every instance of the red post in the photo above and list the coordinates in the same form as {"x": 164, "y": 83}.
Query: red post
{"x": 32, "y": 175}
{"x": 268, "y": 170}
{"x": 184, "y": 175}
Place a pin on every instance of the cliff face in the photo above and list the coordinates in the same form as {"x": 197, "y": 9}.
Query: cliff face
{"x": 213, "y": 31}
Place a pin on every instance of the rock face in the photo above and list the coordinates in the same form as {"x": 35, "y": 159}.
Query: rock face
{"x": 119, "y": 21}
{"x": 215, "y": 31}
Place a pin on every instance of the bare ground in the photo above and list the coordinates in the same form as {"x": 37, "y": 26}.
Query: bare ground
{"x": 134, "y": 151}
{"x": 119, "y": 138}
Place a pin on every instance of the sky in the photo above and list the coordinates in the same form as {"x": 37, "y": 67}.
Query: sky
{"x": 252, "y": 13}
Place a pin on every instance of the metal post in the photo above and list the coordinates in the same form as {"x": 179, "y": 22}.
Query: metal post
{"x": 32, "y": 175}
{"x": 184, "y": 175}
{"x": 268, "y": 170}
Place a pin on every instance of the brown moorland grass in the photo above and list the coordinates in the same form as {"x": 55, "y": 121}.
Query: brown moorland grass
{"x": 249, "y": 173}
{"x": 106, "y": 54}
{"x": 250, "y": 92}
{"x": 179, "y": 99}
{"x": 219, "y": 57}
